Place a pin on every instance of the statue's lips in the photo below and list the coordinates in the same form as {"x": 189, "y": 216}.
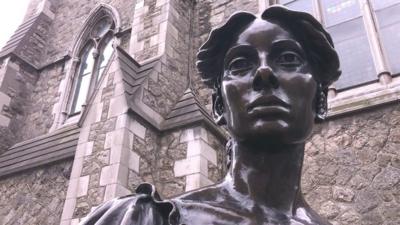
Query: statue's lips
{"x": 268, "y": 105}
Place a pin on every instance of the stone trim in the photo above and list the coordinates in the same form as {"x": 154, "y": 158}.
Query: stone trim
{"x": 364, "y": 97}
{"x": 317, "y": 8}
{"x": 78, "y": 186}
{"x": 157, "y": 39}
{"x": 262, "y": 5}
{"x": 376, "y": 48}
{"x": 44, "y": 7}
{"x": 92, "y": 18}
{"x": 113, "y": 176}
{"x": 198, "y": 156}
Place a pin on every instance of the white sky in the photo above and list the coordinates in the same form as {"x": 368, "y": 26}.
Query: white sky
{"x": 11, "y": 14}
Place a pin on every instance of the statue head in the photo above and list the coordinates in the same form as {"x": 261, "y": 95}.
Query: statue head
{"x": 270, "y": 74}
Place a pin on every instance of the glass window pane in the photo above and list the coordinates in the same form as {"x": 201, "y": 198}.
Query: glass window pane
{"x": 380, "y": 4}
{"x": 337, "y": 11}
{"x": 284, "y": 2}
{"x": 389, "y": 30}
{"x": 83, "y": 79}
{"x": 104, "y": 58}
{"x": 102, "y": 27}
{"x": 87, "y": 62}
{"x": 81, "y": 93}
{"x": 301, "y": 5}
{"x": 356, "y": 61}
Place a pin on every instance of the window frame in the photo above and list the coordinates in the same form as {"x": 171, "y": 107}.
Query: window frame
{"x": 79, "y": 76}
{"x": 99, "y": 45}
{"x": 369, "y": 94}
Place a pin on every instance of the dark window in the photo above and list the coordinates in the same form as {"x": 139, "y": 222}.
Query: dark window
{"x": 299, "y": 5}
{"x": 388, "y": 18}
{"x": 93, "y": 60}
{"x": 380, "y": 4}
{"x": 284, "y": 2}
{"x": 338, "y": 11}
{"x": 344, "y": 22}
{"x": 83, "y": 79}
{"x": 354, "y": 52}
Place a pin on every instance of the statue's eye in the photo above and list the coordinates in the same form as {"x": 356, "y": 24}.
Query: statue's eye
{"x": 240, "y": 64}
{"x": 289, "y": 59}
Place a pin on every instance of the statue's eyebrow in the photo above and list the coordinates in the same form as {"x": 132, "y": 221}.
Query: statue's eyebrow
{"x": 248, "y": 49}
{"x": 287, "y": 44}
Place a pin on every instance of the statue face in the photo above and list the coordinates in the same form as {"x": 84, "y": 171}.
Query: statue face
{"x": 267, "y": 87}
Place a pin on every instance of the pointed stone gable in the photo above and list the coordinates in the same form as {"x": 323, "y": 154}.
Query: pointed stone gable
{"x": 187, "y": 110}
{"x": 29, "y": 40}
{"x": 133, "y": 74}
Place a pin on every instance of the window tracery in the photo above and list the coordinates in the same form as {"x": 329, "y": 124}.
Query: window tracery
{"x": 93, "y": 57}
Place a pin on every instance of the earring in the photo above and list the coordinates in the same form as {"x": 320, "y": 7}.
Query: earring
{"x": 218, "y": 109}
{"x": 228, "y": 151}
{"x": 218, "y": 105}
{"x": 321, "y": 104}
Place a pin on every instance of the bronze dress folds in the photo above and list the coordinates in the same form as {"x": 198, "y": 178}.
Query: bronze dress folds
{"x": 201, "y": 207}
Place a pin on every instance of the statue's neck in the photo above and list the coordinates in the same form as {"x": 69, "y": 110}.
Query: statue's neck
{"x": 268, "y": 176}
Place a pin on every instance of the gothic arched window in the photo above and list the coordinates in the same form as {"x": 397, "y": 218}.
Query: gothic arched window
{"x": 93, "y": 58}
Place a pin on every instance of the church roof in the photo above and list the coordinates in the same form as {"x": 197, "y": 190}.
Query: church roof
{"x": 58, "y": 145}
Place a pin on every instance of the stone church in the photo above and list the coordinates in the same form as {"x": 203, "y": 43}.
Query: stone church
{"x": 99, "y": 96}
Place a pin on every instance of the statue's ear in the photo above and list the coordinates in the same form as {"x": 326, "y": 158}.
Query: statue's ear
{"x": 218, "y": 109}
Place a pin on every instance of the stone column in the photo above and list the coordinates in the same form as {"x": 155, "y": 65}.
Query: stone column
{"x": 200, "y": 159}
{"x": 123, "y": 159}
{"x": 104, "y": 155}
{"x": 149, "y": 30}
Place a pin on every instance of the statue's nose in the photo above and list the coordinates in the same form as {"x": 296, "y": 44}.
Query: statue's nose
{"x": 265, "y": 78}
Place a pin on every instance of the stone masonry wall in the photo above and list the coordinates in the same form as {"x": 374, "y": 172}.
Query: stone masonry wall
{"x": 31, "y": 108}
{"x": 161, "y": 28}
{"x": 105, "y": 155}
{"x": 96, "y": 151}
{"x": 35, "y": 6}
{"x": 17, "y": 83}
{"x": 34, "y": 197}
{"x": 69, "y": 18}
{"x": 202, "y": 162}
{"x": 38, "y": 113}
{"x": 351, "y": 171}
{"x": 33, "y": 48}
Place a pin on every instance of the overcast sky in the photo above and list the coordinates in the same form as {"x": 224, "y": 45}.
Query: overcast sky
{"x": 11, "y": 14}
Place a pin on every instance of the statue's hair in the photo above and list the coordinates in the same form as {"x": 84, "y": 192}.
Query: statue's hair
{"x": 316, "y": 42}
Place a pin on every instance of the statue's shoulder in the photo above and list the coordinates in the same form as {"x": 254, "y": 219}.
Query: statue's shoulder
{"x": 206, "y": 194}
{"x": 144, "y": 207}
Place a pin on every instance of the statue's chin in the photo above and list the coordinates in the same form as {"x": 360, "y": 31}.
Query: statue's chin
{"x": 272, "y": 134}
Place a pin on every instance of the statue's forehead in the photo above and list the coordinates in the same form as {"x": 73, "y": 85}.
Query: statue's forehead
{"x": 262, "y": 32}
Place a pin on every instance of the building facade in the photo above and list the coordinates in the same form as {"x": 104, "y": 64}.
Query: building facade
{"x": 99, "y": 96}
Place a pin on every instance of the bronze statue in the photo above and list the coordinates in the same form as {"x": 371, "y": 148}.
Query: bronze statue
{"x": 270, "y": 74}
